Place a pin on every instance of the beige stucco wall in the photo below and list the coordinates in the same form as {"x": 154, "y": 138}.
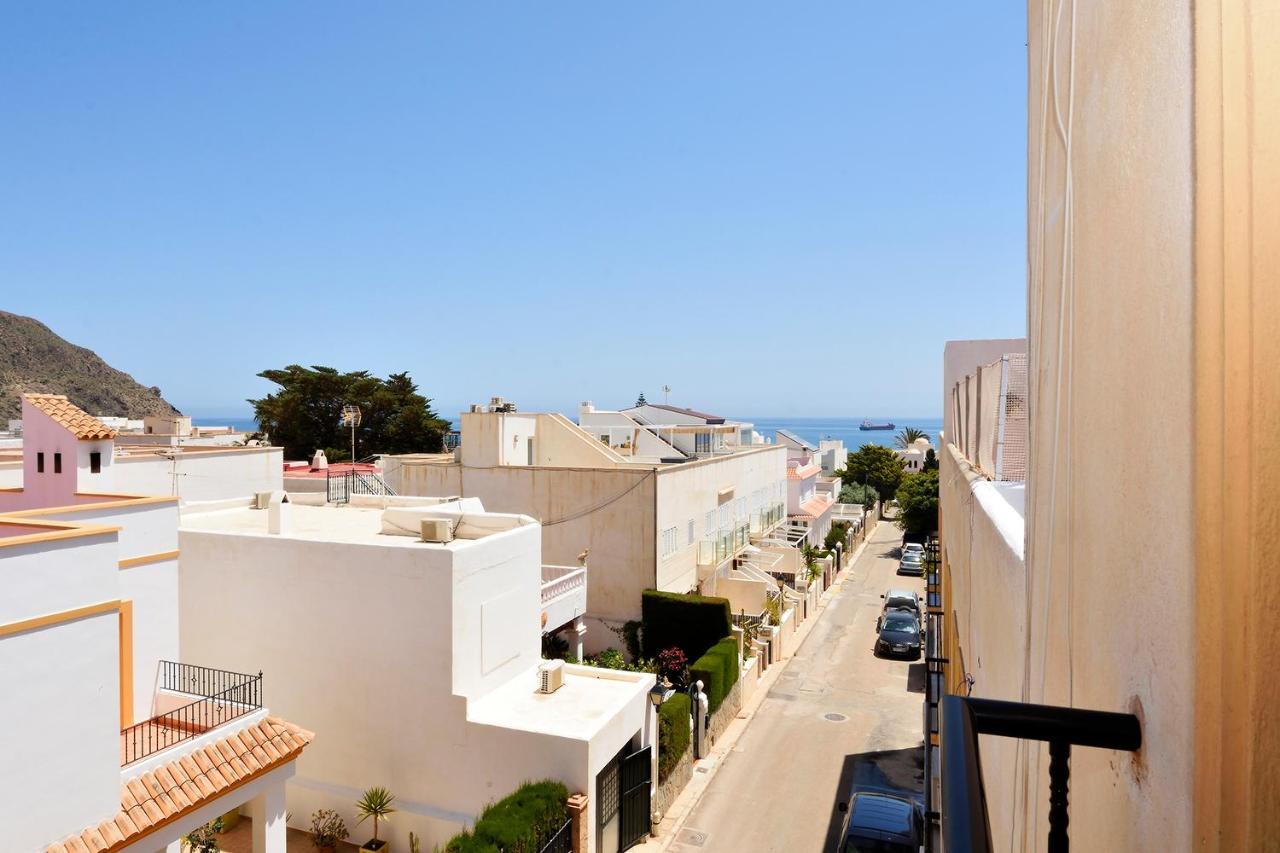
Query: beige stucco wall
{"x": 983, "y": 542}
{"x": 1109, "y": 502}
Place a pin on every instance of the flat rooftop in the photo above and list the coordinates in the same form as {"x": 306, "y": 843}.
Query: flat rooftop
{"x": 343, "y": 524}
{"x": 589, "y": 699}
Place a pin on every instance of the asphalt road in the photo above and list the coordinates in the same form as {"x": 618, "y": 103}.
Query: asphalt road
{"x": 836, "y": 716}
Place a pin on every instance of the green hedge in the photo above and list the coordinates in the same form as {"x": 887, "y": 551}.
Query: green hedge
{"x": 673, "y": 733}
{"x": 519, "y": 823}
{"x": 718, "y": 671}
{"x": 691, "y": 623}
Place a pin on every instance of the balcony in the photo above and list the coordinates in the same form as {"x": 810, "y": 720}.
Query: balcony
{"x": 965, "y": 823}
{"x": 190, "y": 700}
{"x": 564, "y": 594}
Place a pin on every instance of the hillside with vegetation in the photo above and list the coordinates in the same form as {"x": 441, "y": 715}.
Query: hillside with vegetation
{"x": 34, "y": 359}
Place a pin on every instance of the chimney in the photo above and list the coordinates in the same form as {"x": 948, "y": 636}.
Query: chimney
{"x": 279, "y": 515}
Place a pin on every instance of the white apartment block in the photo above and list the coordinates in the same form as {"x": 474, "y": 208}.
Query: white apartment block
{"x": 418, "y": 661}
{"x": 673, "y": 505}
{"x": 112, "y": 742}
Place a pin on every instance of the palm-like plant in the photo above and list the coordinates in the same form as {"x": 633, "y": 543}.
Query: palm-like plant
{"x": 907, "y": 435}
{"x": 809, "y": 554}
{"x": 376, "y": 803}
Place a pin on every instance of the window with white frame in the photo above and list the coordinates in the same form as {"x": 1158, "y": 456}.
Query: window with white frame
{"x": 710, "y": 523}
{"x": 690, "y": 539}
{"x": 669, "y": 542}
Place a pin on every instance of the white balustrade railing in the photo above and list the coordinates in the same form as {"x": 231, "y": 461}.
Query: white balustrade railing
{"x": 558, "y": 580}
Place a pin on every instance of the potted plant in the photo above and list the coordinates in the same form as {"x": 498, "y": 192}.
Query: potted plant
{"x": 376, "y": 804}
{"x": 327, "y": 829}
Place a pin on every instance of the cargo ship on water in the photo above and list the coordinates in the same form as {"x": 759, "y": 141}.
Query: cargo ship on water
{"x": 867, "y": 425}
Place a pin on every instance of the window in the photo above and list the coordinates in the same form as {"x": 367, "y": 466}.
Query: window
{"x": 702, "y": 442}
{"x": 711, "y": 523}
{"x": 57, "y": 463}
{"x": 690, "y": 542}
{"x": 669, "y": 542}
{"x": 95, "y": 462}
{"x": 40, "y": 463}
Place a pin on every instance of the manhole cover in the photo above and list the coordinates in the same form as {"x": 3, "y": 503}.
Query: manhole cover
{"x": 692, "y": 837}
{"x": 834, "y": 717}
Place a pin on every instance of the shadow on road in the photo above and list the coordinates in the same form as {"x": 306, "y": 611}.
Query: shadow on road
{"x": 916, "y": 674}
{"x": 897, "y": 771}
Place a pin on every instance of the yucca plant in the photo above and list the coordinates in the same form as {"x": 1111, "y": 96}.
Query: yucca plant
{"x": 376, "y": 803}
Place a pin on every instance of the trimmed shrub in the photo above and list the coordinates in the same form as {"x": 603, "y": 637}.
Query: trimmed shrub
{"x": 673, "y": 733}
{"x": 519, "y": 823}
{"x": 691, "y": 623}
{"x": 718, "y": 671}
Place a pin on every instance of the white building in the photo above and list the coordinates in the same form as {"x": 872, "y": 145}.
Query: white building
{"x": 419, "y": 661}
{"x": 914, "y": 457}
{"x": 655, "y": 506}
{"x": 111, "y": 741}
{"x": 810, "y": 495}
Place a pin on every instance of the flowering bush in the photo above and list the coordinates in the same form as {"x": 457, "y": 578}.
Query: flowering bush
{"x": 674, "y": 666}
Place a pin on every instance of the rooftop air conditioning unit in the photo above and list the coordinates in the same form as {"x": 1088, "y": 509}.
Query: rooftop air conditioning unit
{"x": 261, "y": 500}
{"x": 438, "y": 530}
{"x": 550, "y": 676}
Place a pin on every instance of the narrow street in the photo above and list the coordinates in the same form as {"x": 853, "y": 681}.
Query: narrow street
{"x": 837, "y": 715}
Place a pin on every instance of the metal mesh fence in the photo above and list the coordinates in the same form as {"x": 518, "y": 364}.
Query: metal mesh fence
{"x": 991, "y": 417}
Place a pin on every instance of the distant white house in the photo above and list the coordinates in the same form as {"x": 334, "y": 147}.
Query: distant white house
{"x": 111, "y": 740}
{"x": 193, "y": 466}
{"x": 810, "y": 495}
{"x": 418, "y": 661}
{"x": 913, "y": 457}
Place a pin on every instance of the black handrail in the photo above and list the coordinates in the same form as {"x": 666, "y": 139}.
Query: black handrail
{"x": 965, "y": 824}
{"x": 224, "y": 696}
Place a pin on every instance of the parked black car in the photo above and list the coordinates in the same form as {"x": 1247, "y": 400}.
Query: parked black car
{"x": 882, "y": 823}
{"x": 899, "y": 635}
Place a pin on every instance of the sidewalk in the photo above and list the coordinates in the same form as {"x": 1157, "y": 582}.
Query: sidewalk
{"x": 704, "y": 769}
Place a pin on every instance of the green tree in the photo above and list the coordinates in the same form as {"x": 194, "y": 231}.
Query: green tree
{"x": 918, "y": 502}
{"x": 876, "y": 466}
{"x": 856, "y": 493}
{"x": 303, "y": 415}
{"x": 930, "y": 461}
{"x": 907, "y": 435}
{"x": 641, "y": 401}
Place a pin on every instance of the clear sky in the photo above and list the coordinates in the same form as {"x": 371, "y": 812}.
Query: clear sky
{"x": 775, "y": 208}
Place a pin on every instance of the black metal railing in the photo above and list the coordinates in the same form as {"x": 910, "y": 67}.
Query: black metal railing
{"x": 965, "y": 824}
{"x": 223, "y": 696}
{"x": 341, "y": 485}
{"x": 562, "y": 841}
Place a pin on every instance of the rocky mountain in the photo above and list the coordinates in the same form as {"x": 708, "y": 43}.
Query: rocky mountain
{"x": 33, "y": 358}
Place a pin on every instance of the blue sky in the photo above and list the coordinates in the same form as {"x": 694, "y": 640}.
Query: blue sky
{"x": 778, "y": 209}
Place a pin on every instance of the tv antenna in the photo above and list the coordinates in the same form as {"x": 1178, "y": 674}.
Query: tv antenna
{"x": 666, "y": 395}
{"x": 351, "y": 418}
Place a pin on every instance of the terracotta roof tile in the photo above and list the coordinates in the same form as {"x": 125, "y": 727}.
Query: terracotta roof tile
{"x": 188, "y": 782}
{"x": 77, "y": 421}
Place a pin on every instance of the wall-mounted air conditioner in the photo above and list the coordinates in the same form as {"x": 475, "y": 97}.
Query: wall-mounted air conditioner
{"x": 550, "y": 676}
{"x": 438, "y": 530}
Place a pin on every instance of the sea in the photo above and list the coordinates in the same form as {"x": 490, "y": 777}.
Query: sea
{"x": 810, "y": 429}
{"x": 846, "y": 429}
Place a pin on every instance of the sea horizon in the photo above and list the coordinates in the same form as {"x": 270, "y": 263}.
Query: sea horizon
{"x": 812, "y": 429}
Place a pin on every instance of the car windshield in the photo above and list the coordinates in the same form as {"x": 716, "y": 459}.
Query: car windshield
{"x": 899, "y": 623}
{"x": 911, "y": 557}
{"x": 902, "y": 603}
